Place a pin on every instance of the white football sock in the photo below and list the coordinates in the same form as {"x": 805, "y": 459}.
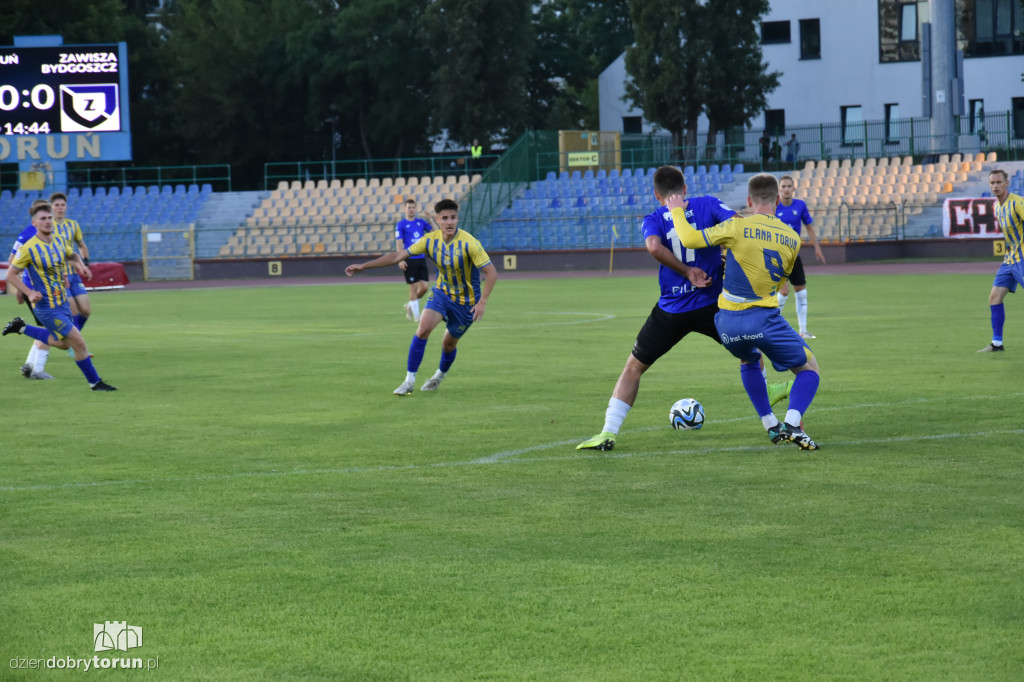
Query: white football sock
{"x": 39, "y": 364}
{"x": 410, "y": 377}
{"x": 769, "y": 420}
{"x": 615, "y": 415}
{"x": 414, "y": 306}
{"x": 793, "y": 418}
{"x": 781, "y": 299}
{"x": 801, "y": 309}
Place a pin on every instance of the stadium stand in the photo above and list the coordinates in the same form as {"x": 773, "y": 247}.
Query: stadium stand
{"x": 338, "y": 216}
{"x": 111, "y": 217}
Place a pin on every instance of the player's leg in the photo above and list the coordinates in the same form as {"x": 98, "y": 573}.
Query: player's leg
{"x": 783, "y": 295}
{"x": 428, "y": 321}
{"x": 800, "y": 294}
{"x": 38, "y": 356}
{"x": 996, "y": 310}
{"x": 75, "y": 342}
{"x": 460, "y": 318}
{"x": 659, "y": 334}
{"x": 84, "y": 309}
{"x": 788, "y": 350}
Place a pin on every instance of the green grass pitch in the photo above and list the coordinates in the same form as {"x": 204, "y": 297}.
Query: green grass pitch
{"x": 256, "y": 499}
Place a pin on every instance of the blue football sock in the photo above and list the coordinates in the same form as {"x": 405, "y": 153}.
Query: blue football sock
{"x": 88, "y": 370}
{"x": 805, "y": 385}
{"x": 37, "y": 333}
{"x": 416, "y": 349}
{"x": 754, "y": 384}
{"x": 80, "y": 321}
{"x": 447, "y": 359}
{"x": 998, "y": 318}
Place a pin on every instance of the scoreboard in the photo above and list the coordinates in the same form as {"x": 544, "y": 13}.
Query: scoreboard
{"x": 66, "y": 89}
{"x": 72, "y": 99}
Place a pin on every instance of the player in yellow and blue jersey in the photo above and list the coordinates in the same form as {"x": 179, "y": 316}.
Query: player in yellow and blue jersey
{"x": 81, "y": 308}
{"x": 45, "y": 257}
{"x": 1010, "y": 212}
{"x": 457, "y": 297}
{"x": 760, "y": 252}
{"x": 39, "y": 352}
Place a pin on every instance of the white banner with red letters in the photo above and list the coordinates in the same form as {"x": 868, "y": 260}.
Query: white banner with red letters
{"x": 965, "y": 218}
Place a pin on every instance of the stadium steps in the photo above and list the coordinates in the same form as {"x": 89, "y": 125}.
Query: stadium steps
{"x": 221, "y": 216}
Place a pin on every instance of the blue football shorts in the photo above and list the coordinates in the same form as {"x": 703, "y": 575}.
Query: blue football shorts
{"x": 457, "y": 316}
{"x": 75, "y": 286}
{"x": 56, "y": 320}
{"x": 1009, "y": 275}
{"x": 749, "y": 333}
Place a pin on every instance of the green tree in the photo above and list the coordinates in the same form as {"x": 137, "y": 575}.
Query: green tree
{"x": 481, "y": 68}
{"x": 737, "y": 82}
{"x": 665, "y": 64}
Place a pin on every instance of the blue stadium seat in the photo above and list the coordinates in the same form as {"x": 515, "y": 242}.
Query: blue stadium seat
{"x": 564, "y": 175}
{"x": 714, "y": 169}
{"x": 207, "y": 188}
{"x": 551, "y": 176}
{"x": 575, "y": 175}
{"x": 738, "y": 168}
{"x": 193, "y": 189}
{"x": 166, "y": 190}
{"x": 601, "y": 173}
{"x": 100, "y": 192}
{"x": 179, "y": 189}
{"x": 613, "y": 173}
{"x": 726, "y": 168}
{"x": 588, "y": 174}
{"x": 627, "y": 173}
{"x": 702, "y": 170}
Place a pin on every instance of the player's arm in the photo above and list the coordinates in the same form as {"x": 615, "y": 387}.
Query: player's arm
{"x": 689, "y": 236}
{"x": 84, "y": 250}
{"x": 79, "y": 265}
{"x": 379, "y": 262}
{"x": 697, "y": 277}
{"x": 14, "y": 282}
{"x": 813, "y": 238}
{"x": 491, "y": 276}
{"x": 399, "y": 245}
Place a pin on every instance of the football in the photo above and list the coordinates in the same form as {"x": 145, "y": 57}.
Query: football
{"x": 686, "y": 414}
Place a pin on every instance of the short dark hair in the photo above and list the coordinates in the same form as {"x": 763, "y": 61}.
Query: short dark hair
{"x": 446, "y": 205}
{"x": 669, "y": 180}
{"x": 1000, "y": 172}
{"x": 40, "y": 205}
{"x": 410, "y": 201}
{"x": 787, "y": 177}
{"x": 763, "y": 188}
{"x": 58, "y": 195}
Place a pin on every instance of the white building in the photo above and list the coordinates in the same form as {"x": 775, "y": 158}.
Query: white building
{"x": 844, "y": 62}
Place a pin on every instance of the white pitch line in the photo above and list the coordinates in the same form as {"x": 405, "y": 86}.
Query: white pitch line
{"x": 510, "y": 458}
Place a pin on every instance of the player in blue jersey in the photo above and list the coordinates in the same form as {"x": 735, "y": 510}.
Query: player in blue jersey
{"x": 760, "y": 252}
{"x": 39, "y": 352}
{"x": 45, "y": 257}
{"x": 417, "y": 274}
{"x": 457, "y": 297}
{"x": 794, "y": 213}
{"x": 1010, "y": 212}
{"x": 690, "y": 280}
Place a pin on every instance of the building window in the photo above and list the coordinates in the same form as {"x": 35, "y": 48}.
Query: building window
{"x": 775, "y": 122}
{"x": 810, "y": 39}
{"x": 908, "y": 22}
{"x": 632, "y": 125}
{"x": 998, "y": 28}
{"x": 853, "y": 125}
{"x": 773, "y": 32}
{"x": 899, "y": 39}
{"x": 892, "y": 123}
{"x": 976, "y": 110}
